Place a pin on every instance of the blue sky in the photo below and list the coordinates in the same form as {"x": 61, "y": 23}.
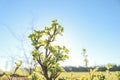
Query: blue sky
{"x": 90, "y": 24}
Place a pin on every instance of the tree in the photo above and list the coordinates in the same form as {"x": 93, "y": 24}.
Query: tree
{"x": 45, "y": 53}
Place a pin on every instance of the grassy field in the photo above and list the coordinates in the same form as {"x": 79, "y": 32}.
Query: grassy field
{"x": 79, "y": 75}
{"x": 73, "y": 76}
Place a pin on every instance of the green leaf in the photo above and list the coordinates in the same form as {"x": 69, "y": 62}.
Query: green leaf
{"x": 65, "y": 49}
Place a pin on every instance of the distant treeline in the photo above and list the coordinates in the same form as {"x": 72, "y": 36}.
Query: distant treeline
{"x": 84, "y": 69}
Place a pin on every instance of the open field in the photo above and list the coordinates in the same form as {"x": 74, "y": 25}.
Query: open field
{"x": 79, "y": 75}
{"x": 74, "y": 76}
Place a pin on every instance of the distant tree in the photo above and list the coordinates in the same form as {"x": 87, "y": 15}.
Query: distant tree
{"x": 45, "y": 53}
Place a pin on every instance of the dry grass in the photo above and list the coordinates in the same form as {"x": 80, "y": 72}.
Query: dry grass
{"x": 72, "y": 76}
{"x": 78, "y": 75}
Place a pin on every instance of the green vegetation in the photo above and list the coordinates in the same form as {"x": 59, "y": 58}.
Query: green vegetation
{"x": 10, "y": 75}
{"x": 45, "y": 53}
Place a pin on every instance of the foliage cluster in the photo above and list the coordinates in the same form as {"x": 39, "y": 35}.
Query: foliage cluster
{"x": 45, "y": 53}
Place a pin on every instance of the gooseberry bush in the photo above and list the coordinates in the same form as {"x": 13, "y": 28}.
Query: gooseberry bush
{"x": 45, "y": 53}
